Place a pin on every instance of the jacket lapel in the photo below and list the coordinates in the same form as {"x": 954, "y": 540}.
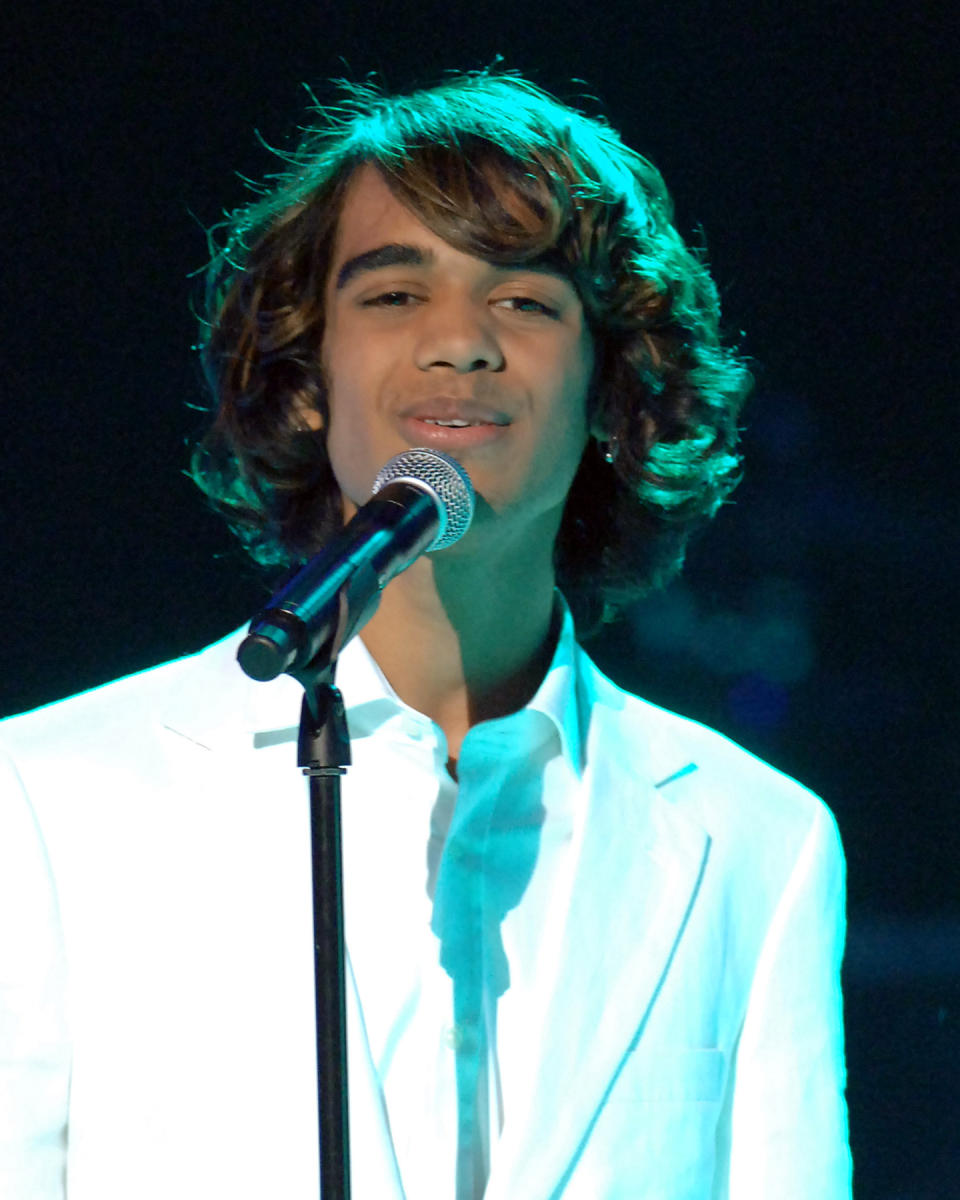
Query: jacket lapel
{"x": 638, "y": 863}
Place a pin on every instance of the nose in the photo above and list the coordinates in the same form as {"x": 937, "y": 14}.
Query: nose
{"x": 457, "y": 334}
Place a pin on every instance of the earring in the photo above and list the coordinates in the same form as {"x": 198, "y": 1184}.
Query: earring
{"x": 612, "y": 450}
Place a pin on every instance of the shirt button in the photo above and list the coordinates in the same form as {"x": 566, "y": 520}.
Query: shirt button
{"x": 463, "y": 1036}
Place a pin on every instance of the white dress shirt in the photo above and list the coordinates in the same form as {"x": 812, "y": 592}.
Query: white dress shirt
{"x": 449, "y": 889}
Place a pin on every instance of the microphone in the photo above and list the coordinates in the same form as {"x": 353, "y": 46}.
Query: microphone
{"x": 422, "y": 500}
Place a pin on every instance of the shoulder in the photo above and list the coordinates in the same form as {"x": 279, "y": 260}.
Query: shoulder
{"x": 117, "y": 711}
{"x": 700, "y": 772}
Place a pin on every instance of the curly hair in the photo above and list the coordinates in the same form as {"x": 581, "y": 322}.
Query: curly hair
{"x": 501, "y": 170}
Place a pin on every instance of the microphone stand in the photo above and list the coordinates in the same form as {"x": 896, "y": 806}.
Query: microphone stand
{"x": 422, "y": 500}
{"x": 323, "y": 754}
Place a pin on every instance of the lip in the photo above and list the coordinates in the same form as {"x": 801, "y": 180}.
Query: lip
{"x": 487, "y": 423}
{"x": 419, "y": 432}
{"x": 453, "y": 408}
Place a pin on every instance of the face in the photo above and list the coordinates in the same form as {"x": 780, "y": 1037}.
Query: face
{"x": 427, "y": 346}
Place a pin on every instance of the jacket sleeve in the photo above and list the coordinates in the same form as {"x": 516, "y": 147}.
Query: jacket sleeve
{"x": 788, "y": 1121}
{"x": 34, "y": 1049}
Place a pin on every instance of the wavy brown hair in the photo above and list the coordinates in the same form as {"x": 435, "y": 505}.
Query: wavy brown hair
{"x": 501, "y": 170}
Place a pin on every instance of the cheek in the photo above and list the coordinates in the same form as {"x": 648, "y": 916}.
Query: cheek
{"x": 347, "y": 430}
{"x": 569, "y": 443}
{"x": 562, "y": 439}
{"x": 571, "y": 419}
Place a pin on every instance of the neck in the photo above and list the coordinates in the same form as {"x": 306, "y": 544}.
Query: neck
{"x": 464, "y": 638}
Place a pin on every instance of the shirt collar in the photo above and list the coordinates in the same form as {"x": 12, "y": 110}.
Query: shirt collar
{"x": 557, "y": 695}
{"x": 272, "y": 709}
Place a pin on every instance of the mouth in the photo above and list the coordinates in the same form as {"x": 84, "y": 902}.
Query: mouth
{"x": 456, "y": 422}
{"x": 453, "y": 424}
{"x": 455, "y": 412}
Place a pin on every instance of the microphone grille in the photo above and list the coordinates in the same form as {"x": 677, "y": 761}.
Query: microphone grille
{"x": 445, "y": 479}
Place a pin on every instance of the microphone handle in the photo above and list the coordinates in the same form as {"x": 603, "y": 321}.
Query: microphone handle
{"x": 293, "y": 633}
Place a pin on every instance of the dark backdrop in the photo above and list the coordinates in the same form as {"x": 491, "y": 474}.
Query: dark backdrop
{"x": 814, "y": 146}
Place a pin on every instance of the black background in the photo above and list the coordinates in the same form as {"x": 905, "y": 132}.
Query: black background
{"x": 815, "y": 146}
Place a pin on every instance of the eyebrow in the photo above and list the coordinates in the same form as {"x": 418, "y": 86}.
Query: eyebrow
{"x": 394, "y": 254}
{"x": 398, "y": 254}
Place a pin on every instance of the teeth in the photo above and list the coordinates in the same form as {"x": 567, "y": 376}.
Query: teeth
{"x": 457, "y": 424}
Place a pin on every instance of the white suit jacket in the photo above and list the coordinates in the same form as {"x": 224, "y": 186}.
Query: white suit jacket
{"x": 156, "y": 1006}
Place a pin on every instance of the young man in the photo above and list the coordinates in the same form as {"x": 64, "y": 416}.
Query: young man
{"x": 593, "y": 948}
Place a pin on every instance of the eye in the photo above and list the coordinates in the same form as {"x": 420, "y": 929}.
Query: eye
{"x": 527, "y": 304}
{"x": 390, "y": 300}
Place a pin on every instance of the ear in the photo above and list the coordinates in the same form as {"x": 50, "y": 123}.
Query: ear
{"x": 597, "y": 425}
{"x": 597, "y": 417}
{"x": 306, "y": 418}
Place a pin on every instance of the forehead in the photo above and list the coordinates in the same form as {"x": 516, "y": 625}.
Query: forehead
{"x": 377, "y": 229}
{"x": 371, "y": 215}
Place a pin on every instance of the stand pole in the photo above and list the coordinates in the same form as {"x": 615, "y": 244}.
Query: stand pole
{"x": 323, "y": 752}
